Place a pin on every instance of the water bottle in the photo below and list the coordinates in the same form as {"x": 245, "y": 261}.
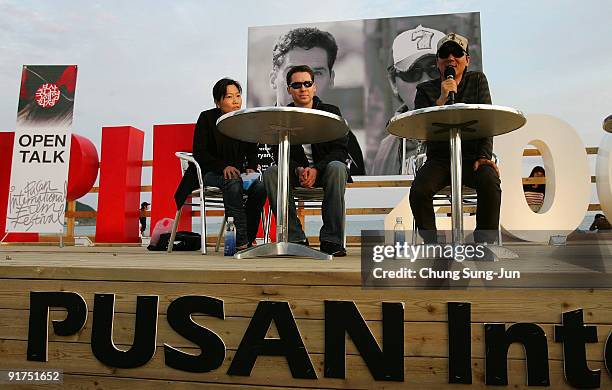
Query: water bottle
{"x": 399, "y": 233}
{"x": 230, "y": 238}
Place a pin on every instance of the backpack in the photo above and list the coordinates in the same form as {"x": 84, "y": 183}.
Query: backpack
{"x": 183, "y": 241}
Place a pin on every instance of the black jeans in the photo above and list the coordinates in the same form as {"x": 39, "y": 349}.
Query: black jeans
{"x": 246, "y": 215}
{"x": 435, "y": 175}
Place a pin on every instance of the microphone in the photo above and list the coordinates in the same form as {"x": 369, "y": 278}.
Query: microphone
{"x": 449, "y": 73}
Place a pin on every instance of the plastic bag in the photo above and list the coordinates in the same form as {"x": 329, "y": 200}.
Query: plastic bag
{"x": 162, "y": 226}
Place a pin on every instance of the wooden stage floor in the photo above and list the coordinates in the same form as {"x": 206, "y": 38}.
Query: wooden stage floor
{"x": 305, "y": 284}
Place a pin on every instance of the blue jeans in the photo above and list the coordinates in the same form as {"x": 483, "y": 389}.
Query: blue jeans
{"x": 333, "y": 180}
{"x": 246, "y": 215}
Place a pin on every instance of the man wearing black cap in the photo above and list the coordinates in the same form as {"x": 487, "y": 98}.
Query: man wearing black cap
{"x": 144, "y": 206}
{"x": 479, "y": 170}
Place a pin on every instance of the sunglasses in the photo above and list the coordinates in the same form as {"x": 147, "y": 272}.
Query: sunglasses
{"x": 415, "y": 72}
{"x": 298, "y": 84}
{"x": 447, "y": 50}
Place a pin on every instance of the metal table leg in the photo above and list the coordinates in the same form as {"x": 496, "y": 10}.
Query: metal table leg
{"x": 494, "y": 252}
{"x": 456, "y": 183}
{"x": 282, "y": 247}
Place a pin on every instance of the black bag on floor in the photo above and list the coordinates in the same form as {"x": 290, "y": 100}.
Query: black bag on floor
{"x": 184, "y": 241}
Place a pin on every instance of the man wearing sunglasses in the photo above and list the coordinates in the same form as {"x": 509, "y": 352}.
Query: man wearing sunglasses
{"x": 479, "y": 171}
{"x": 414, "y": 61}
{"x": 315, "y": 165}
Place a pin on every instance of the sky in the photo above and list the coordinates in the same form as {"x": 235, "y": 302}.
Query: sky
{"x": 152, "y": 62}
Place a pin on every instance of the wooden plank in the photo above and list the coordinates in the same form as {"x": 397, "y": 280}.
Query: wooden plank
{"x": 526, "y": 152}
{"x": 379, "y": 183}
{"x": 93, "y": 214}
{"x": 373, "y": 184}
{"x": 147, "y": 188}
{"x": 317, "y": 211}
{"x": 387, "y": 210}
{"x": 426, "y": 372}
{"x": 53, "y": 240}
{"x": 118, "y": 263}
{"x": 310, "y": 211}
{"x": 536, "y": 152}
{"x": 301, "y": 212}
{"x": 69, "y": 219}
{"x": 594, "y": 207}
{"x": 351, "y": 241}
{"x": 81, "y": 214}
{"x": 220, "y": 213}
{"x": 542, "y": 180}
{"x": 420, "y": 338}
{"x": 355, "y": 211}
{"x": 366, "y": 183}
{"x": 592, "y": 150}
{"x": 534, "y": 180}
{"x": 307, "y": 302}
{"x": 99, "y": 382}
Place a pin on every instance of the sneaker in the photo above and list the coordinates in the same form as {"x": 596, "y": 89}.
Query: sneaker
{"x": 331, "y": 248}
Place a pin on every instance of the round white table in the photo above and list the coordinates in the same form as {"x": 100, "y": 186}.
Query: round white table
{"x": 456, "y": 122}
{"x": 282, "y": 126}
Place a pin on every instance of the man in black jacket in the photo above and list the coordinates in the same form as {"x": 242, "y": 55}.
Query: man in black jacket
{"x": 479, "y": 171}
{"x": 313, "y": 165}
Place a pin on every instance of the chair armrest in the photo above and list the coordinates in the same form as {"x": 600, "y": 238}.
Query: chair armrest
{"x": 188, "y": 157}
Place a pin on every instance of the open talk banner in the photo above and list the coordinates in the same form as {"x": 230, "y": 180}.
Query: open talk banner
{"x": 41, "y": 150}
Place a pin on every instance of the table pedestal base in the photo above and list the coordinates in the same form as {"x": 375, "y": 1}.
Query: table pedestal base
{"x": 498, "y": 252}
{"x": 276, "y": 249}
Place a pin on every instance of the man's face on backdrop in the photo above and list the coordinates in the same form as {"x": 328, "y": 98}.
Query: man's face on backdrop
{"x": 316, "y": 58}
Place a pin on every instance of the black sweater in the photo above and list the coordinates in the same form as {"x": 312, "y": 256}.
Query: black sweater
{"x": 214, "y": 151}
{"x": 473, "y": 89}
{"x": 322, "y": 153}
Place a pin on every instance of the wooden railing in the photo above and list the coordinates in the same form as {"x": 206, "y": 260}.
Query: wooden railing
{"x": 72, "y": 214}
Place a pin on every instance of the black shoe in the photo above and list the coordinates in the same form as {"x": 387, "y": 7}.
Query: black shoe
{"x": 331, "y": 248}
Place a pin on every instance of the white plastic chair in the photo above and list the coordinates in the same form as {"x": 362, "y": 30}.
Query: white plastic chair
{"x": 208, "y": 196}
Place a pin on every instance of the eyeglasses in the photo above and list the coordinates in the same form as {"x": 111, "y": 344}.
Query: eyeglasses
{"x": 415, "y": 72}
{"x": 447, "y": 50}
{"x": 298, "y": 84}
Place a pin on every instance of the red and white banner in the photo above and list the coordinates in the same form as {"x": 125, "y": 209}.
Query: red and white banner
{"x": 41, "y": 150}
